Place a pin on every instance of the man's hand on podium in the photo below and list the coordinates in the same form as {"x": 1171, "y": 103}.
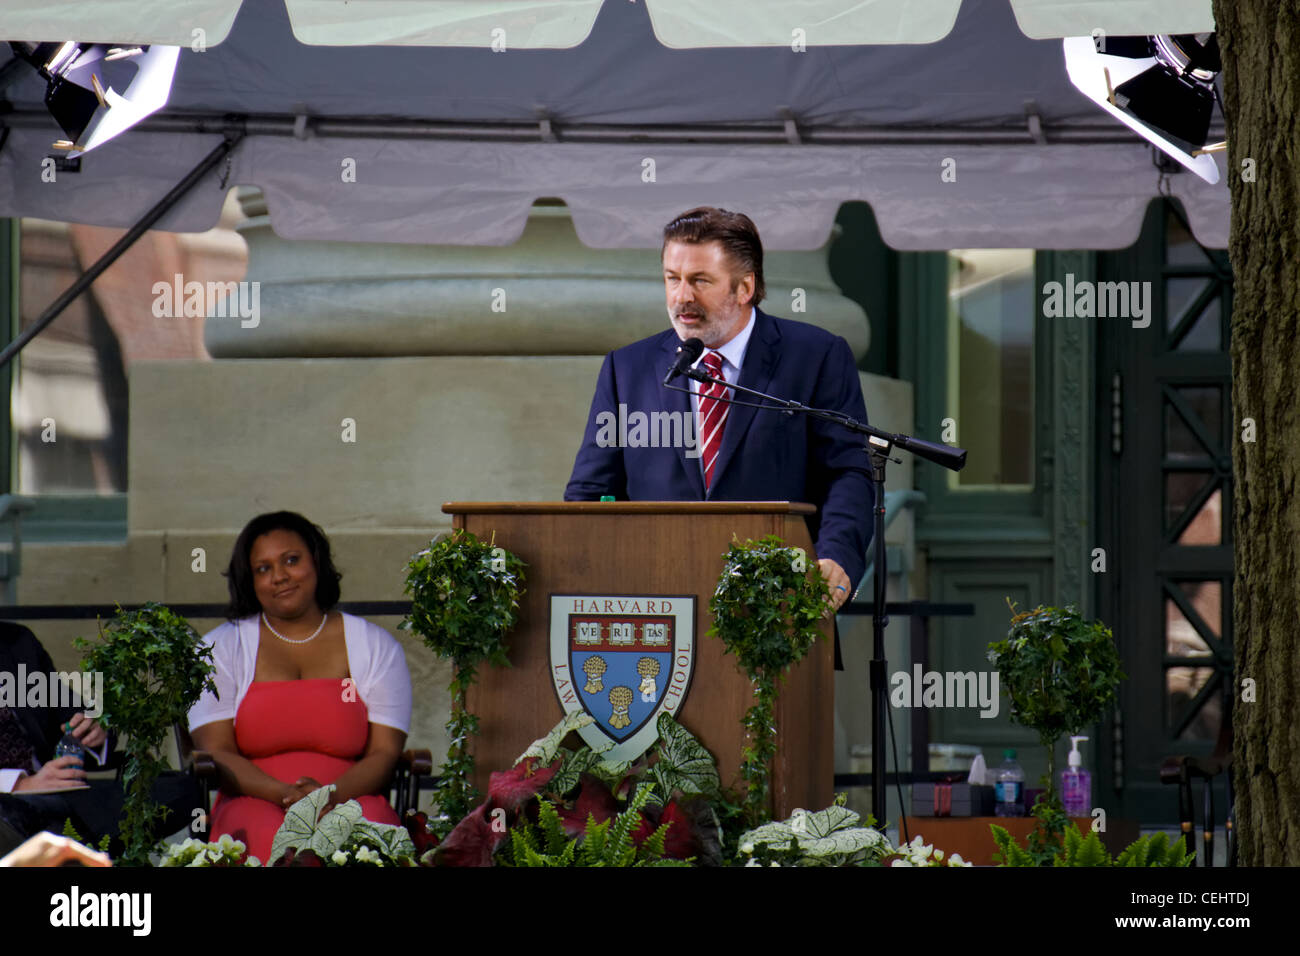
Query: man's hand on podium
{"x": 838, "y": 582}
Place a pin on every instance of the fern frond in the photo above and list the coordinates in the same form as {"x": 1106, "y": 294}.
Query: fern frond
{"x": 1072, "y": 842}
{"x": 548, "y": 819}
{"x": 1091, "y": 851}
{"x": 1010, "y": 851}
{"x": 1157, "y": 849}
{"x": 623, "y": 850}
{"x": 567, "y": 857}
{"x": 593, "y": 846}
{"x": 529, "y": 835}
{"x": 654, "y": 846}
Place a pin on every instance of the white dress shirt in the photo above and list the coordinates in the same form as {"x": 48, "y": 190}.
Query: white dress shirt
{"x": 733, "y": 357}
{"x": 10, "y": 776}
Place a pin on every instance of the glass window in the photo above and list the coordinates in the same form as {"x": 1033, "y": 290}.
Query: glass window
{"x": 991, "y": 310}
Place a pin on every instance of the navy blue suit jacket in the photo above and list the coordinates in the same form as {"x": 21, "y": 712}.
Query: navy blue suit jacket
{"x": 765, "y": 455}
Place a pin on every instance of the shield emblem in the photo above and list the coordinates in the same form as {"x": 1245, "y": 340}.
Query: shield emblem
{"x": 624, "y": 660}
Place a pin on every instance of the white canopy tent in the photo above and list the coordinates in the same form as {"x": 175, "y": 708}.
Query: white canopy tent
{"x": 560, "y": 24}
{"x": 452, "y": 142}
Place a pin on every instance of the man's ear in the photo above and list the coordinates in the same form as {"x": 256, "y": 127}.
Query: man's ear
{"x": 744, "y": 289}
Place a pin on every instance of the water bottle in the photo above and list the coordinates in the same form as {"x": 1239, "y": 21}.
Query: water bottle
{"x": 1010, "y": 787}
{"x": 70, "y": 746}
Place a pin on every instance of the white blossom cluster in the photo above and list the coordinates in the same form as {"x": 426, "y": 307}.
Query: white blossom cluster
{"x": 362, "y": 854}
{"x": 194, "y": 852}
{"x": 919, "y": 853}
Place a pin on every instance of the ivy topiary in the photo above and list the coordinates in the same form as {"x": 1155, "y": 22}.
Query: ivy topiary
{"x": 155, "y": 667}
{"x": 767, "y": 610}
{"x": 464, "y": 600}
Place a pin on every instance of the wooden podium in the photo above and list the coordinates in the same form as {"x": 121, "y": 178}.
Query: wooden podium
{"x": 649, "y": 549}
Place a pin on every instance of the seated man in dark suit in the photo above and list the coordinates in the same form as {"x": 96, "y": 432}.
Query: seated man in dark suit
{"x": 713, "y": 277}
{"x": 39, "y": 791}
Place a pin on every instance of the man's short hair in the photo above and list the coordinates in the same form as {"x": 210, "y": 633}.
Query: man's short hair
{"x": 736, "y": 232}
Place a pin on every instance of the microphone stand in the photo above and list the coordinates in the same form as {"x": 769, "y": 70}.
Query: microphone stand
{"x": 879, "y": 444}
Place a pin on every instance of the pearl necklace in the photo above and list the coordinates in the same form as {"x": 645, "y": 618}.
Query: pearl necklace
{"x": 290, "y": 640}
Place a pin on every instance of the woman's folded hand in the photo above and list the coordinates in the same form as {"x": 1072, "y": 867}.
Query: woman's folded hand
{"x": 293, "y": 792}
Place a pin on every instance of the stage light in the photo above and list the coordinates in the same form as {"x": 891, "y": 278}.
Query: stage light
{"x": 82, "y": 80}
{"x": 1161, "y": 87}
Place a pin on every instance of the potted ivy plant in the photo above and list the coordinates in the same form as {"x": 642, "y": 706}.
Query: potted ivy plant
{"x": 766, "y": 610}
{"x": 155, "y": 667}
{"x": 1061, "y": 672}
{"x": 464, "y": 600}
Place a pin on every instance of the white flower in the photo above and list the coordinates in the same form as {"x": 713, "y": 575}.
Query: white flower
{"x": 774, "y": 863}
{"x": 341, "y": 858}
{"x": 366, "y": 855}
{"x": 938, "y": 854}
{"x": 907, "y": 863}
{"x": 956, "y": 860}
{"x": 226, "y": 842}
{"x": 252, "y": 861}
{"x": 747, "y": 848}
{"x": 752, "y": 862}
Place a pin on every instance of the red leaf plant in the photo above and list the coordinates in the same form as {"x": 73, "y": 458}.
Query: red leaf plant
{"x": 476, "y": 838}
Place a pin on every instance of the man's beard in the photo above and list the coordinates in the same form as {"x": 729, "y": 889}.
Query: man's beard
{"x": 711, "y": 331}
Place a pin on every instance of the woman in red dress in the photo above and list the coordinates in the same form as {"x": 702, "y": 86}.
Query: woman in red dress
{"x": 306, "y": 695}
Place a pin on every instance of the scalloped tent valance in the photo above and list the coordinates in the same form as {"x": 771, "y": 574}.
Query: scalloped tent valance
{"x": 977, "y": 139}
{"x": 562, "y": 24}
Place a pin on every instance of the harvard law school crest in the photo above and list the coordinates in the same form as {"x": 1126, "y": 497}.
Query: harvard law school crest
{"x": 624, "y": 660}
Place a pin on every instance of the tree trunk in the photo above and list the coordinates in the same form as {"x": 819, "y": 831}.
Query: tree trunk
{"x": 1260, "y": 43}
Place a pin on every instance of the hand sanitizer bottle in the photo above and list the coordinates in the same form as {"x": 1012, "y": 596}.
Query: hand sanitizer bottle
{"x": 1076, "y": 783}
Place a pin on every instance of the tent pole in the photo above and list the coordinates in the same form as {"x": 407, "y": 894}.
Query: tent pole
{"x": 84, "y": 280}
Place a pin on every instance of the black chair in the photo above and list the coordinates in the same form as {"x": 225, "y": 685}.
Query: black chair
{"x": 411, "y": 766}
{"x": 1180, "y": 771}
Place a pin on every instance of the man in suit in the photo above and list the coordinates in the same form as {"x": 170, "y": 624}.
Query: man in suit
{"x": 41, "y": 792}
{"x": 713, "y": 280}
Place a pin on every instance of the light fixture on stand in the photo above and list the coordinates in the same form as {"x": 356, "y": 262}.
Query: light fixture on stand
{"x": 1161, "y": 87}
{"x": 81, "y": 83}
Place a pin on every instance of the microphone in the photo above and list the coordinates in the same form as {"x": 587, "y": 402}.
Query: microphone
{"x": 687, "y": 355}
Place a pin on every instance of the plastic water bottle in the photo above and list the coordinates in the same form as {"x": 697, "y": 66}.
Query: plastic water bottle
{"x": 1010, "y": 787}
{"x": 70, "y": 746}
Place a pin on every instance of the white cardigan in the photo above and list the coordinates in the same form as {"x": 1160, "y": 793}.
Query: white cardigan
{"x": 375, "y": 660}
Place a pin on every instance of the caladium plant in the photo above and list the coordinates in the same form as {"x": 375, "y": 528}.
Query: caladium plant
{"x": 341, "y": 837}
{"x": 830, "y": 837}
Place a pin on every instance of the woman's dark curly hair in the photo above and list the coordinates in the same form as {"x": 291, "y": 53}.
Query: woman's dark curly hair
{"x": 239, "y": 575}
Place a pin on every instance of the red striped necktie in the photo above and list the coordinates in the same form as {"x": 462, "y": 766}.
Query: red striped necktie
{"x": 712, "y": 416}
